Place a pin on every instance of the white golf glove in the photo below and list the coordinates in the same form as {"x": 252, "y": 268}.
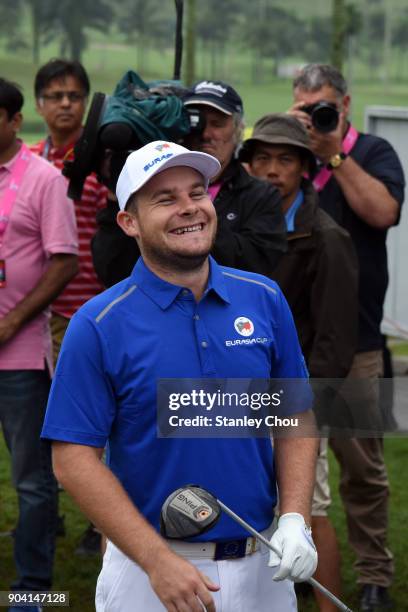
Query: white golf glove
{"x": 297, "y": 557}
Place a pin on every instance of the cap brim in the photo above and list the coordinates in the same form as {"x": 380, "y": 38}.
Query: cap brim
{"x": 204, "y": 102}
{"x": 277, "y": 140}
{"x": 280, "y": 140}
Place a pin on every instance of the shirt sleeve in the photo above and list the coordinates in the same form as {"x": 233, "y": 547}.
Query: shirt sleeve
{"x": 81, "y": 405}
{"x": 57, "y": 218}
{"x": 102, "y": 197}
{"x": 382, "y": 163}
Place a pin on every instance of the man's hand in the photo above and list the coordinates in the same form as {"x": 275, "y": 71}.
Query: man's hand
{"x": 323, "y": 145}
{"x": 297, "y": 112}
{"x": 293, "y": 541}
{"x": 9, "y": 326}
{"x": 62, "y": 267}
{"x": 179, "y": 585}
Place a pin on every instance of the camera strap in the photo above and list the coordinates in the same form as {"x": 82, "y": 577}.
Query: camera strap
{"x": 324, "y": 175}
{"x": 10, "y": 193}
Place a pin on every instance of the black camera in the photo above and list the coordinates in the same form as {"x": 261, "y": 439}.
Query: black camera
{"x": 116, "y": 125}
{"x": 325, "y": 116}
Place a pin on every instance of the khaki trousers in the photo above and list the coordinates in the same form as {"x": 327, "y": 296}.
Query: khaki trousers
{"x": 58, "y": 326}
{"x": 364, "y": 487}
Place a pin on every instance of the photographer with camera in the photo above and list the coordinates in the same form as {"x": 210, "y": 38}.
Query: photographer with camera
{"x": 318, "y": 276}
{"x": 361, "y": 185}
{"x": 251, "y": 229}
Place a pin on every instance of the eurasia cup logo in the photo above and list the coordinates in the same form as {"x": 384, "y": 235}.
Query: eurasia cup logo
{"x": 244, "y": 326}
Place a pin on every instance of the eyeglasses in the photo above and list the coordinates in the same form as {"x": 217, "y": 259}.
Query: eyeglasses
{"x": 58, "y": 96}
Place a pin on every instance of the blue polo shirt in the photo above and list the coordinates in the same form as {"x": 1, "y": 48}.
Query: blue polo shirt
{"x": 142, "y": 329}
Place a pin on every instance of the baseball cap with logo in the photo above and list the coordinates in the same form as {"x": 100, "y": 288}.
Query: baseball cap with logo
{"x": 143, "y": 164}
{"x": 278, "y": 129}
{"x": 217, "y": 94}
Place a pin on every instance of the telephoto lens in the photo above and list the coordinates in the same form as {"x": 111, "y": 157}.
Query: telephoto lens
{"x": 325, "y": 116}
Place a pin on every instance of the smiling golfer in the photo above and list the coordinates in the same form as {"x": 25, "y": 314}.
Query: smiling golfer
{"x": 177, "y": 316}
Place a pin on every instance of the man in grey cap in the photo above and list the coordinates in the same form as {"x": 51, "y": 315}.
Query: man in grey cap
{"x": 251, "y": 228}
{"x": 318, "y": 276}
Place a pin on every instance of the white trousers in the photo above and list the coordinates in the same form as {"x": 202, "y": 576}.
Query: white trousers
{"x": 246, "y": 585}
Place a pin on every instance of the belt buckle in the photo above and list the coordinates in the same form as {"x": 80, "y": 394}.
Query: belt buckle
{"x": 233, "y": 549}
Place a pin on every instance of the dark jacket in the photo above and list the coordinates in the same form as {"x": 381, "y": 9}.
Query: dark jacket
{"x": 251, "y": 230}
{"x": 319, "y": 277}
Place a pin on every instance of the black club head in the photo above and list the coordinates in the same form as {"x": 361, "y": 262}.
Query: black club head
{"x": 188, "y": 512}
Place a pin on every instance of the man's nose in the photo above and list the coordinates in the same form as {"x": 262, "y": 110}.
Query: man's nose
{"x": 272, "y": 168}
{"x": 187, "y": 206}
{"x": 207, "y": 133}
{"x": 65, "y": 100}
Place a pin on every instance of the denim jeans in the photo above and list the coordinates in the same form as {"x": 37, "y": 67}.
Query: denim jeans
{"x": 23, "y": 400}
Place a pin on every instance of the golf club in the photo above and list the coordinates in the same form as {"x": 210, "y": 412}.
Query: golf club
{"x": 191, "y": 510}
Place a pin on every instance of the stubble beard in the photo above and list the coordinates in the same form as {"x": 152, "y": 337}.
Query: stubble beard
{"x": 176, "y": 262}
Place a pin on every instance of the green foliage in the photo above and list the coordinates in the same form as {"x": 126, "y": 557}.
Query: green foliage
{"x": 11, "y": 15}
{"x": 318, "y": 40}
{"x": 271, "y": 33}
{"x": 338, "y": 34}
{"x": 71, "y": 18}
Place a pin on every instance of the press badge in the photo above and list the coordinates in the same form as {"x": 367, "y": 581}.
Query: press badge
{"x": 2, "y": 273}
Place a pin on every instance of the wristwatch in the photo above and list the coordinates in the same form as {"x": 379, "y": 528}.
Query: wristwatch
{"x": 336, "y": 161}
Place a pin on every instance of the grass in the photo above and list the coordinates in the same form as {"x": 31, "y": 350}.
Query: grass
{"x": 399, "y": 348}
{"x": 78, "y": 574}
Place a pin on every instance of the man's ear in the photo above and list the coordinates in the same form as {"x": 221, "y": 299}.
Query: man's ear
{"x": 129, "y": 223}
{"x": 39, "y": 106}
{"x": 346, "y": 104}
{"x": 17, "y": 121}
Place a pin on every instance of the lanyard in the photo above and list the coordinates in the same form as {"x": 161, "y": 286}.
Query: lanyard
{"x": 10, "y": 193}
{"x": 46, "y": 149}
{"x": 322, "y": 178}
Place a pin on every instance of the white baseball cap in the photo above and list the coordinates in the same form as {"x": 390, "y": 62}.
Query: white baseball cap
{"x": 143, "y": 164}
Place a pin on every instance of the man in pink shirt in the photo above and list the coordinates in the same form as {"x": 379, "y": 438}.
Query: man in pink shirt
{"x": 38, "y": 248}
{"x": 61, "y": 89}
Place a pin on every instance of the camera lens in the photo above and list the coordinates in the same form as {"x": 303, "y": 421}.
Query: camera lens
{"x": 325, "y": 118}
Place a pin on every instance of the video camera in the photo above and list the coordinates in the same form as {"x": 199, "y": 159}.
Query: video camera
{"x": 325, "y": 116}
{"x": 137, "y": 113}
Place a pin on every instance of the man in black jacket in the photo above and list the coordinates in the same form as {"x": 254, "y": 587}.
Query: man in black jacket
{"x": 318, "y": 276}
{"x": 361, "y": 185}
{"x": 251, "y": 228}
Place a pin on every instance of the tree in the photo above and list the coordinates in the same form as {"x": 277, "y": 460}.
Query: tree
{"x": 273, "y": 32}
{"x": 318, "y": 39}
{"x": 42, "y": 15}
{"x": 339, "y": 33}
{"x": 214, "y": 29}
{"x": 144, "y": 23}
{"x": 400, "y": 40}
{"x": 11, "y": 17}
{"x": 190, "y": 42}
{"x": 375, "y": 33}
{"x": 71, "y": 18}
